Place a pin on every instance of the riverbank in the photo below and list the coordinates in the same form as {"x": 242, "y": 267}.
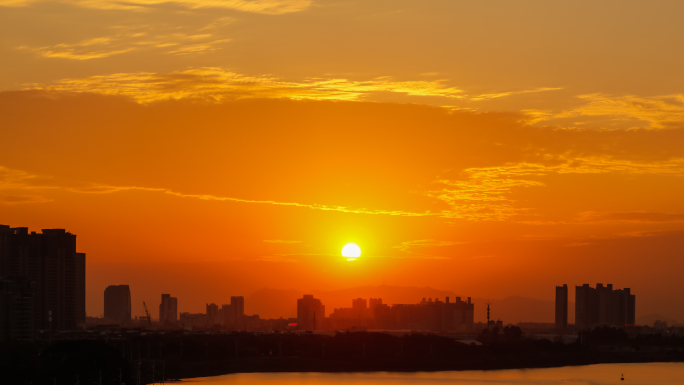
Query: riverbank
{"x": 186, "y": 370}
{"x": 601, "y": 374}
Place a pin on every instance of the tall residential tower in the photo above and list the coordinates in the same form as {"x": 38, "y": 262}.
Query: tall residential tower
{"x": 117, "y": 303}
{"x": 45, "y": 270}
{"x": 561, "y": 307}
{"x": 309, "y": 309}
{"x": 603, "y": 306}
{"x": 168, "y": 309}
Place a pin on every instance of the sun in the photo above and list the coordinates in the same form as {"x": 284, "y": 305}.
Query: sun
{"x": 351, "y": 251}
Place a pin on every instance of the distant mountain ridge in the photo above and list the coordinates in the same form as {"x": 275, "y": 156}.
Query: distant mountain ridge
{"x": 275, "y": 303}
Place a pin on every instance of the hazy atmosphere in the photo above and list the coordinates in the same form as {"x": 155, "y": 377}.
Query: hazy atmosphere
{"x": 485, "y": 149}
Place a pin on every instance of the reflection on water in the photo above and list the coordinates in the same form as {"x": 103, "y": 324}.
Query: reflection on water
{"x": 635, "y": 374}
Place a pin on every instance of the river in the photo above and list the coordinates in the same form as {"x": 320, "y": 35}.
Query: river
{"x": 602, "y": 374}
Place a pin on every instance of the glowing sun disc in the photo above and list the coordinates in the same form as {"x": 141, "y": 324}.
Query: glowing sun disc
{"x": 351, "y": 251}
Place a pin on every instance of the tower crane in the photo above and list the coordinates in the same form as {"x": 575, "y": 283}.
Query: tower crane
{"x": 147, "y": 314}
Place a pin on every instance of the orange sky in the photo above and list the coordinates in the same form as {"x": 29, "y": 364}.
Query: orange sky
{"x": 212, "y": 148}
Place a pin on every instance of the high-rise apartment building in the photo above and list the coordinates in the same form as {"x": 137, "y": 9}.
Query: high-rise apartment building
{"x": 212, "y": 314}
{"x": 309, "y": 309}
{"x": 603, "y": 306}
{"x": 225, "y": 315}
{"x": 372, "y": 304}
{"x": 16, "y": 309}
{"x": 80, "y": 288}
{"x": 433, "y": 315}
{"x": 429, "y": 315}
{"x": 237, "y": 307}
{"x": 117, "y": 303}
{"x": 56, "y": 273}
{"x": 359, "y": 308}
{"x": 168, "y": 309}
{"x": 562, "y": 307}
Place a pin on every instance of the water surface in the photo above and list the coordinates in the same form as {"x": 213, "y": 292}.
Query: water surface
{"x": 602, "y": 374}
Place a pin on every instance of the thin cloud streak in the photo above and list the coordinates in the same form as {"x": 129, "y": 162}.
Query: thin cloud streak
{"x": 216, "y": 84}
{"x": 113, "y": 189}
{"x": 14, "y": 185}
{"x": 505, "y": 94}
{"x": 132, "y": 39}
{"x": 409, "y": 246}
{"x": 627, "y": 111}
{"x": 269, "y": 7}
{"x": 634, "y": 216}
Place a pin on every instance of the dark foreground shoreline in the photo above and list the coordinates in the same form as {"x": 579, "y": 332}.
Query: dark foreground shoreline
{"x": 133, "y": 357}
{"x": 191, "y": 370}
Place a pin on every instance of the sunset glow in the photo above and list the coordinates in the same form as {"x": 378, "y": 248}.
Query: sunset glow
{"x": 214, "y": 148}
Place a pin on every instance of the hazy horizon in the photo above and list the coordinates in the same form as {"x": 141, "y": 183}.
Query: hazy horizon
{"x": 210, "y": 148}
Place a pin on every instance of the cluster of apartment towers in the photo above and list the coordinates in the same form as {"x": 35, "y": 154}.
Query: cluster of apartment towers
{"x": 596, "y": 306}
{"x": 429, "y": 315}
{"x": 117, "y": 308}
{"x": 42, "y": 283}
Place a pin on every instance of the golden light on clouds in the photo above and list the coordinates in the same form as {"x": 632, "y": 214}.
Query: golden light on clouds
{"x": 481, "y": 144}
{"x": 216, "y": 84}
{"x": 270, "y": 7}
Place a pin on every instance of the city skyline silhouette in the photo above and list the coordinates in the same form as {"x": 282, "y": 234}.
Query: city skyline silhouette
{"x": 247, "y": 186}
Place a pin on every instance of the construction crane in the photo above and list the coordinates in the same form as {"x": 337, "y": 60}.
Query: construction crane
{"x": 147, "y": 314}
{"x": 488, "y": 303}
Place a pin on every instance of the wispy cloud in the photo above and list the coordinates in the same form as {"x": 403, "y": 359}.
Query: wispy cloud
{"x": 270, "y": 7}
{"x": 588, "y": 241}
{"x": 18, "y": 187}
{"x": 410, "y": 248}
{"x": 625, "y": 111}
{"x": 132, "y": 39}
{"x": 484, "y": 193}
{"x": 214, "y": 84}
{"x": 19, "y": 199}
{"x": 510, "y": 93}
{"x": 217, "y": 84}
{"x": 634, "y": 216}
{"x": 103, "y": 189}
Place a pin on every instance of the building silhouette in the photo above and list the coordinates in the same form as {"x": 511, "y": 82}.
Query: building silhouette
{"x": 194, "y": 321}
{"x": 168, "y": 309}
{"x": 225, "y": 314}
{"x": 80, "y": 272}
{"x": 16, "y": 309}
{"x": 45, "y": 271}
{"x": 309, "y": 309}
{"x": 212, "y": 314}
{"x": 436, "y": 316}
{"x": 603, "y": 306}
{"x": 562, "y": 307}
{"x": 359, "y": 308}
{"x": 237, "y": 308}
{"x": 428, "y": 315}
{"x": 372, "y": 304}
{"x": 117, "y": 303}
